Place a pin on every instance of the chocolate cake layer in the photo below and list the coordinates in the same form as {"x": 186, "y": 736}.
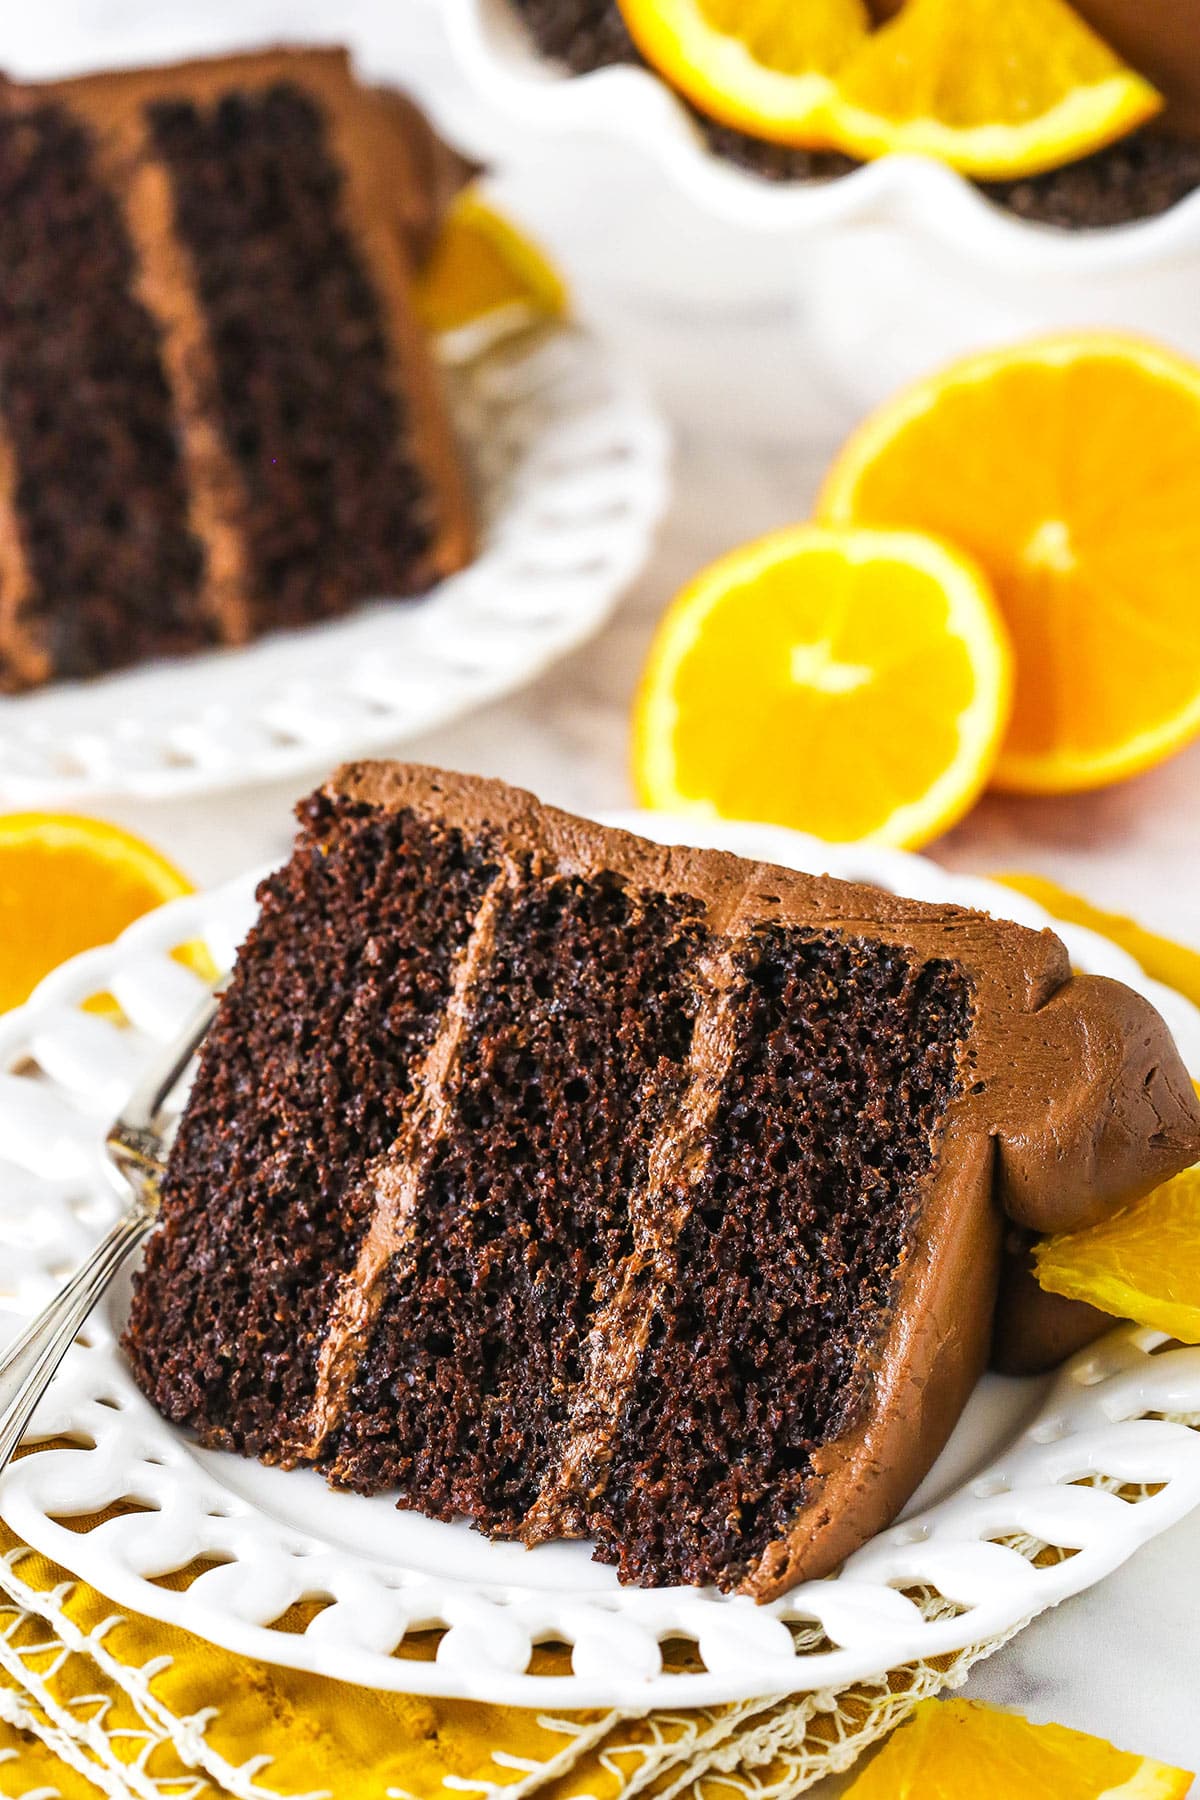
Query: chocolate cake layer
{"x": 580, "y": 1026}
{"x": 589, "y": 1188}
{"x": 847, "y": 1055}
{"x": 265, "y": 1204}
{"x": 219, "y": 413}
{"x": 111, "y": 569}
{"x": 1135, "y": 178}
{"x": 335, "y": 507}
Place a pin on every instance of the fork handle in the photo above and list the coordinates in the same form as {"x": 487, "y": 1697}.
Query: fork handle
{"x": 27, "y": 1367}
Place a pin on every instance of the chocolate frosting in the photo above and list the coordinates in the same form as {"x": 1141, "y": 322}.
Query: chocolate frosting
{"x": 1035, "y": 1330}
{"x": 1074, "y": 1101}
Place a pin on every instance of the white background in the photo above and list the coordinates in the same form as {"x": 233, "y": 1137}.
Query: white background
{"x": 756, "y": 419}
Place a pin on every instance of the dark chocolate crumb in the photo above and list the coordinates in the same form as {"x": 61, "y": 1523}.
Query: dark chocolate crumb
{"x": 575, "y": 1053}
{"x": 337, "y": 510}
{"x": 101, "y": 496}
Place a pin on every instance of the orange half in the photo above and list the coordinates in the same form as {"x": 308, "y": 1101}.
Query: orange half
{"x": 849, "y": 683}
{"x": 1069, "y": 469}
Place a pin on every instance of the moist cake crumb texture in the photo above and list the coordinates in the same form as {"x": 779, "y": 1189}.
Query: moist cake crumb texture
{"x": 100, "y": 496}
{"x": 335, "y": 509}
{"x": 576, "y": 1047}
{"x": 847, "y": 1055}
{"x": 354, "y": 948}
{"x": 582, "y": 1188}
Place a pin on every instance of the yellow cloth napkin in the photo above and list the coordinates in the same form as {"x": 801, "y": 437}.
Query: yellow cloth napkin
{"x": 94, "y": 1700}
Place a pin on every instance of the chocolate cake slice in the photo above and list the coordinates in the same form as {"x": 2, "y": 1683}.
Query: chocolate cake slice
{"x": 218, "y": 414}
{"x": 588, "y": 1188}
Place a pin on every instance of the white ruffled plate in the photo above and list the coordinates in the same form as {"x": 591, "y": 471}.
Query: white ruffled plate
{"x": 571, "y": 468}
{"x": 1094, "y": 1463}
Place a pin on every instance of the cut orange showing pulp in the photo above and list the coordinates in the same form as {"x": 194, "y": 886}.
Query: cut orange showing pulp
{"x": 996, "y": 88}
{"x": 961, "y": 1750}
{"x": 68, "y": 883}
{"x": 852, "y": 684}
{"x": 1069, "y": 469}
{"x": 1142, "y": 1264}
{"x": 766, "y": 67}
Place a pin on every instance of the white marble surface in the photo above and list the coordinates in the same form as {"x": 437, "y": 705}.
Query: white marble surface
{"x": 756, "y": 421}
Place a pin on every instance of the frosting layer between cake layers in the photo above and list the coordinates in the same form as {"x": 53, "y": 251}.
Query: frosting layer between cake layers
{"x": 590, "y": 1188}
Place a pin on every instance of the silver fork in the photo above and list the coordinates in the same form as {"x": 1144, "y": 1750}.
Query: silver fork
{"x": 136, "y": 1143}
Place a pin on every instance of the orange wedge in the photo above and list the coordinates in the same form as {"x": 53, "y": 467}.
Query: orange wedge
{"x": 767, "y": 68}
{"x": 853, "y": 684}
{"x": 483, "y": 268}
{"x": 996, "y": 88}
{"x": 1142, "y": 1264}
{"x": 961, "y": 1750}
{"x": 67, "y": 884}
{"x": 1069, "y": 469}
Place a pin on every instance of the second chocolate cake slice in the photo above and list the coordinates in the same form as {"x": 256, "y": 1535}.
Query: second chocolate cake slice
{"x": 589, "y": 1188}
{"x": 219, "y": 415}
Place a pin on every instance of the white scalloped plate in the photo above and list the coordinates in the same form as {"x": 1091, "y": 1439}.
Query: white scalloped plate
{"x": 571, "y": 468}
{"x": 1093, "y": 1464}
{"x": 633, "y": 107}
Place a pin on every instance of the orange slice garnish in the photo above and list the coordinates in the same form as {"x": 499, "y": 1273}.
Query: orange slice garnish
{"x": 766, "y": 68}
{"x": 961, "y": 1750}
